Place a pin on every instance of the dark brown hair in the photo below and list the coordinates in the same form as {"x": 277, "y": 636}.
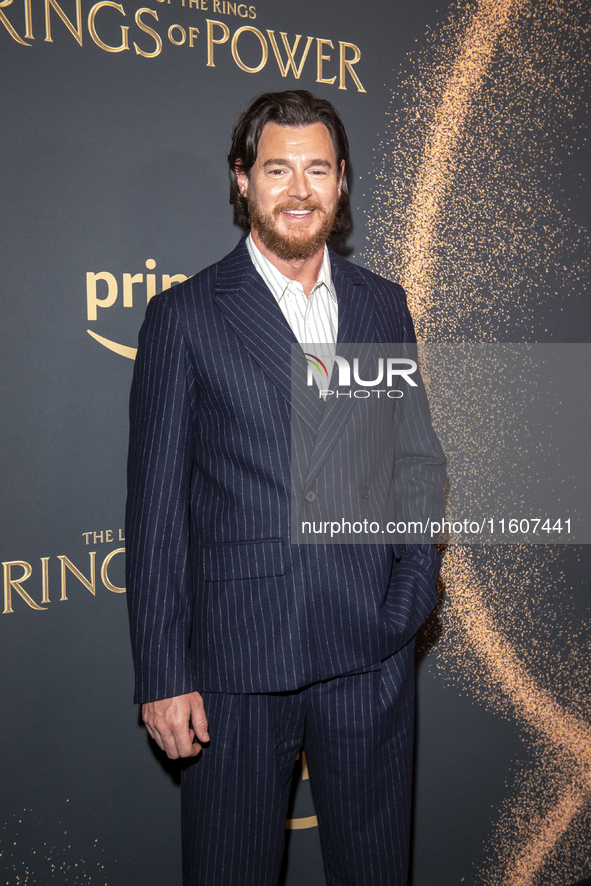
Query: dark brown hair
{"x": 293, "y": 107}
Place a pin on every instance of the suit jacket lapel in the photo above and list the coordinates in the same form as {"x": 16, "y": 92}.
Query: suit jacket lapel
{"x": 356, "y": 324}
{"x": 250, "y": 308}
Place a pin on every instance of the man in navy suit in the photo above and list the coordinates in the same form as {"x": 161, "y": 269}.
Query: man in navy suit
{"x": 237, "y": 633}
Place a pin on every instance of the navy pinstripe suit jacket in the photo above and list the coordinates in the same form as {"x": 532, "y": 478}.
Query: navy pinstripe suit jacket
{"x": 219, "y": 599}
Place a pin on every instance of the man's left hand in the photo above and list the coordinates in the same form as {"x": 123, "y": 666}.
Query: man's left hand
{"x": 175, "y": 723}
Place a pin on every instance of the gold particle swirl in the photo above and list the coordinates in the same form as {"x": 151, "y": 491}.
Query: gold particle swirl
{"x": 525, "y": 861}
{"x": 465, "y": 218}
{"x": 441, "y": 149}
{"x": 534, "y": 705}
{"x": 470, "y": 211}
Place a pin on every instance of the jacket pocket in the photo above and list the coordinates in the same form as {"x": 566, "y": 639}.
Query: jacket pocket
{"x": 243, "y": 559}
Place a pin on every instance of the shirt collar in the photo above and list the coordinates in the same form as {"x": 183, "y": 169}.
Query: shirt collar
{"x": 278, "y": 282}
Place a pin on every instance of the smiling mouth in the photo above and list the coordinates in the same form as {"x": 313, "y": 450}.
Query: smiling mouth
{"x": 301, "y": 211}
{"x": 297, "y": 213}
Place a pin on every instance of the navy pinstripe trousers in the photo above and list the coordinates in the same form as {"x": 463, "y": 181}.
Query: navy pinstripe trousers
{"x": 357, "y": 732}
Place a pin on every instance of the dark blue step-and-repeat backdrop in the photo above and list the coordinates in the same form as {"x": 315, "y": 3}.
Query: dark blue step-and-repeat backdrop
{"x": 467, "y": 124}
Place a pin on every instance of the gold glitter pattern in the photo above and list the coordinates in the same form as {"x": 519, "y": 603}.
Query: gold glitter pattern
{"x": 465, "y": 214}
{"x": 515, "y": 646}
{"x": 536, "y": 706}
{"x": 441, "y": 154}
{"x": 27, "y": 859}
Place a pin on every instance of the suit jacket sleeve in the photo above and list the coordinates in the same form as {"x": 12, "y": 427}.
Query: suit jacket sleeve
{"x": 419, "y": 479}
{"x": 157, "y": 519}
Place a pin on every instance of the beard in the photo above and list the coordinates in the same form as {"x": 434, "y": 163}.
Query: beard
{"x": 297, "y": 244}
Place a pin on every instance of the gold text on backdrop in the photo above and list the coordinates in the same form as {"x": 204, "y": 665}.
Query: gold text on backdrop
{"x": 13, "y": 581}
{"x": 331, "y": 64}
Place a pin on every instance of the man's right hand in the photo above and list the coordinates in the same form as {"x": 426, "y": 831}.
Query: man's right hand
{"x": 175, "y": 723}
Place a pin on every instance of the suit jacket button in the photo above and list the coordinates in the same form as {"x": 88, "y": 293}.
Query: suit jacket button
{"x": 310, "y": 496}
{"x": 365, "y": 492}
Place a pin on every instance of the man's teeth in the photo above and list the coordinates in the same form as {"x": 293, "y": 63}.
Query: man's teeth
{"x": 297, "y": 211}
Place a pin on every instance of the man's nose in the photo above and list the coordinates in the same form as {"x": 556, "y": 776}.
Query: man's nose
{"x": 299, "y": 186}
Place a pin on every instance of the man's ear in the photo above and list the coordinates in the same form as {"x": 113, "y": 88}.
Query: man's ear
{"x": 340, "y": 178}
{"x": 242, "y": 178}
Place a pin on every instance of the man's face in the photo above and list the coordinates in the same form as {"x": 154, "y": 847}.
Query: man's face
{"x": 293, "y": 190}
